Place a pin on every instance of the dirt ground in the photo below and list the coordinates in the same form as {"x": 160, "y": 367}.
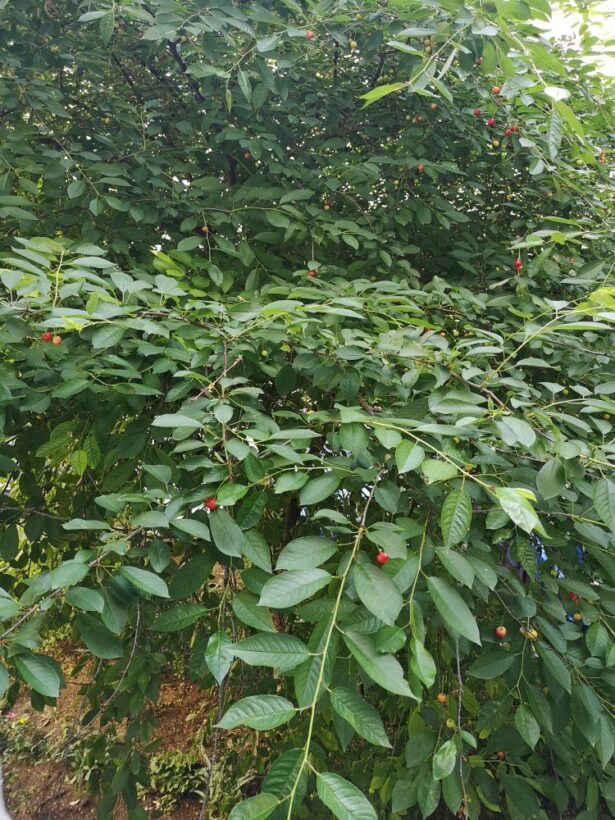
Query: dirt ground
{"x": 45, "y": 790}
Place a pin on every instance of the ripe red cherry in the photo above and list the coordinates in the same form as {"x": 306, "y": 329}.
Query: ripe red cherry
{"x": 46, "y": 336}
{"x": 312, "y": 274}
{"x": 310, "y": 35}
{"x": 382, "y": 558}
{"x": 57, "y": 340}
{"x": 476, "y": 112}
{"x": 478, "y": 62}
{"x": 500, "y": 632}
{"x": 491, "y": 121}
{"x": 574, "y": 597}
{"x": 211, "y": 503}
{"x": 496, "y": 89}
{"x": 508, "y": 132}
{"x": 517, "y": 264}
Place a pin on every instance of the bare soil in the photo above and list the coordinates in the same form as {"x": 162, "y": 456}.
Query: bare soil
{"x": 39, "y": 789}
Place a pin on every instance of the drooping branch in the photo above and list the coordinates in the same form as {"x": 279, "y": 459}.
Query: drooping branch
{"x": 173, "y": 47}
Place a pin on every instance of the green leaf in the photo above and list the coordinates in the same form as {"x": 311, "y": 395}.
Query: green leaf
{"x": 306, "y": 553}
{"x": 554, "y": 134}
{"x": 408, "y": 456}
{"x": 280, "y": 650}
{"x": 145, "y": 581}
{"x": 519, "y": 509}
{"x": 456, "y": 565}
{"x": 68, "y": 574}
{"x": 87, "y": 599}
{"x": 192, "y": 527}
{"x": 98, "y": 639}
{"x": 318, "y": 489}
{"x": 258, "y": 712}
{"x": 444, "y": 760}
{"x": 381, "y": 91}
{"x": 377, "y": 592}
{"x": 191, "y": 576}
{"x": 4, "y": 680}
{"x": 176, "y": 420}
{"x": 227, "y": 535}
{"x": 8, "y": 608}
{"x": 435, "y": 470}
{"x": 39, "y": 671}
{"x": 422, "y": 663}
{"x": 382, "y": 669}
{"x": 255, "y": 808}
{"x": 246, "y": 608}
{"x": 161, "y": 472}
{"x": 106, "y": 26}
{"x": 179, "y": 617}
{"x": 286, "y": 771}
{"x": 82, "y": 524}
{"x": 343, "y": 798}
{"x": 453, "y": 610}
{"x": 491, "y": 665}
{"x": 555, "y": 666}
{"x": 388, "y": 438}
{"x": 361, "y": 715}
{"x": 527, "y": 726}
{"x": 290, "y": 481}
{"x": 317, "y": 671}
{"x": 390, "y": 639}
{"x": 551, "y": 479}
{"x": 219, "y": 655}
{"x": 107, "y": 336}
{"x": 292, "y": 587}
{"x": 353, "y": 438}
{"x": 455, "y": 517}
{"x": 152, "y": 519}
{"x": 605, "y": 745}
{"x": 78, "y": 460}
{"x": 256, "y": 550}
{"x": 604, "y": 501}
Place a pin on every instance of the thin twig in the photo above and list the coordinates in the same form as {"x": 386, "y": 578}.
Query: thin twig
{"x": 219, "y": 708}
{"x": 460, "y": 688}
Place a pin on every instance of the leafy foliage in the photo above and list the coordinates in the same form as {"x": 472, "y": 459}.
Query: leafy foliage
{"x": 289, "y": 337}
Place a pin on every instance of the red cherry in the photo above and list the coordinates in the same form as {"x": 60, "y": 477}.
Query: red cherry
{"x": 47, "y": 336}
{"x": 57, "y": 340}
{"x": 508, "y": 132}
{"x": 517, "y": 264}
{"x": 574, "y": 597}
{"x": 491, "y": 121}
{"x": 478, "y": 62}
{"x": 476, "y": 112}
{"x": 515, "y": 128}
{"x": 500, "y": 632}
{"x": 382, "y": 558}
{"x": 310, "y": 35}
{"x": 211, "y": 503}
{"x": 312, "y": 274}
{"x": 496, "y": 89}
{"x": 502, "y": 755}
